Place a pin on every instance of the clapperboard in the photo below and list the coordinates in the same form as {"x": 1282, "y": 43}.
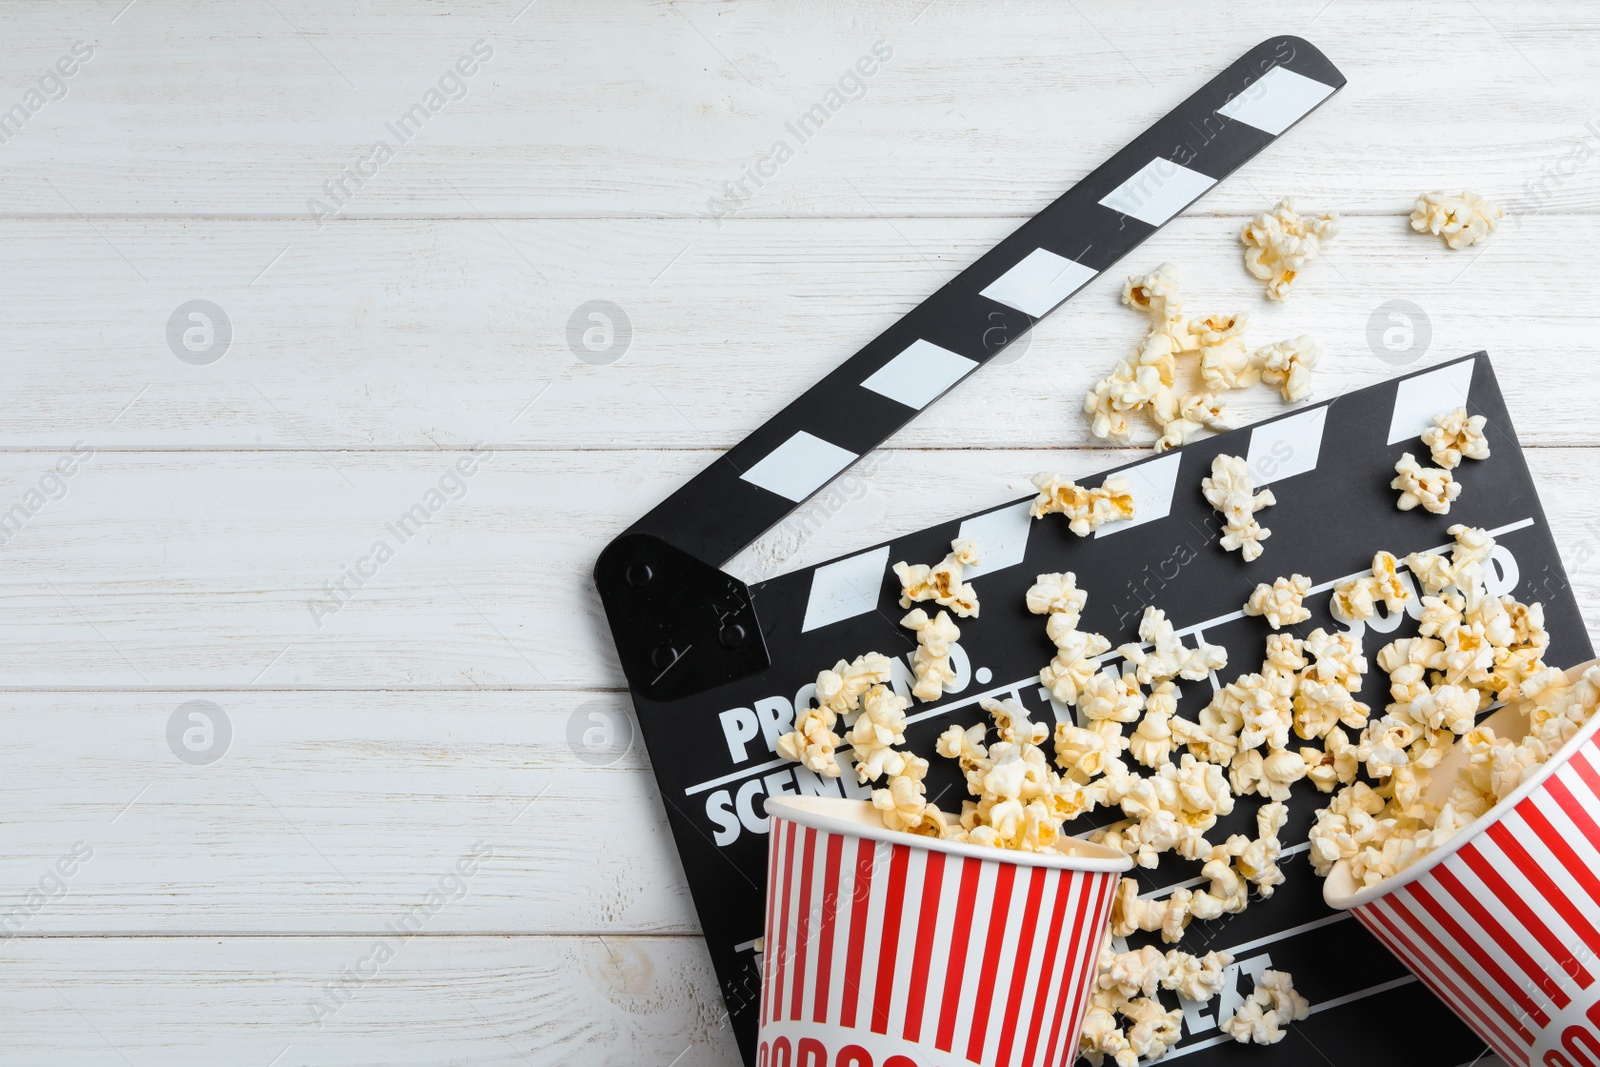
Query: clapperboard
{"x": 717, "y": 668}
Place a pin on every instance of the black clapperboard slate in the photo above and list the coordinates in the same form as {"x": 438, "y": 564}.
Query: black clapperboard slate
{"x": 716, "y": 667}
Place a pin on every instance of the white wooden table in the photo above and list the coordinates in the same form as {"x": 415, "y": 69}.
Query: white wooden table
{"x": 364, "y": 752}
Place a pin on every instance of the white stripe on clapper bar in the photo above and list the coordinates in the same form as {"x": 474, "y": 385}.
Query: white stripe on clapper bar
{"x": 799, "y": 467}
{"x": 1038, "y": 283}
{"x": 1286, "y": 447}
{"x": 1154, "y": 481}
{"x": 1416, "y": 400}
{"x": 845, "y": 588}
{"x": 920, "y": 373}
{"x": 1277, "y": 101}
{"x": 1157, "y": 191}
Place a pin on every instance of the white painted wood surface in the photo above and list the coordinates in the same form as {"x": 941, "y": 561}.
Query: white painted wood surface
{"x": 373, "y": 747}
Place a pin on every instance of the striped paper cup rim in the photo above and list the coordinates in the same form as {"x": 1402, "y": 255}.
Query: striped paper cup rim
{"x": 1336, "y": 888}
{"x": 859, "y": 818}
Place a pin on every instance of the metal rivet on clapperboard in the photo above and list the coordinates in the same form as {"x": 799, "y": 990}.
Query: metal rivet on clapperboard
{"x": 664, "y": 656}
{"x": 732, "y": 636}
{"x": 639, "y": 575}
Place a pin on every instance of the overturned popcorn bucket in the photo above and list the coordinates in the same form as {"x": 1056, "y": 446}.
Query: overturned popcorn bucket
{"x": 886, "y": 949}
{"x": 1503, "y": 921}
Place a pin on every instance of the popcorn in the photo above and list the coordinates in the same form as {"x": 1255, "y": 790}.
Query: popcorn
{"x": 1214, "y": 330}
{"x": 1470, "y": 648}
{"x": 1357, "y": 599}
{"x": 1110, "y": 695}
{"x": 878, "y": 728}
{"x": 1279, "y": 244}
{"x": 1106, "y": 420}
{"x": 1196, "y": 978}
{"x": 1336, "y": 658}
{"x": 1462, "y": 220}
{"x": 903, "y": 804}
{"x": 1169, "y": 658}
{"x": 1075, "y": 662}
{"x": 1259, "y": 860}
{"x": 1147, "y": 379}
{"x": 1193, "y": 412}
{"x": 1320, "y": 707}
{"x": 1151, "y": 743}
{"x": 1227, "y": 364}
{"x": 1088, "y": 509}
{"x": 1288, "y": 365}
{"x": 1156, "y": 293}
{"x": 1335, "y": 764}
{"x": 1154, "y": 1029}
{"x": 930, "y": 665}
{"x": 1455, "y": 436}
{"x": 1080, "y": 753}
{"x": 1431, "y": 487}
{"x": 1138, "y": 973}
{"x": 813, "y": 742}
{"x": 1271, "y": 1006}
{"x": 942, "y": 582}
{"x": 1280, "y": 602}
{"x": 841, "y": 689}
{"x": 1229, "y": 491}
{"x": 1057, "y": 594}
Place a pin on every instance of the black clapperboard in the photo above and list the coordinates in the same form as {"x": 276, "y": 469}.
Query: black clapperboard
{"x": 717, "y": 667}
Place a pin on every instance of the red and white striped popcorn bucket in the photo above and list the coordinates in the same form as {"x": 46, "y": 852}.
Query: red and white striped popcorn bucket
{"x": 885, "y": 949}
{"x": 1503, "y": 921}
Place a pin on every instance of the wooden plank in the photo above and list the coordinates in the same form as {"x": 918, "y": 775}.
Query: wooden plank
{"x": 494, "y": 1000}
{"x": 623, "y": 109}
{"x": 208, "y": 570}
{"x": 333, "y": 813}
{"x": 424, "y": 335}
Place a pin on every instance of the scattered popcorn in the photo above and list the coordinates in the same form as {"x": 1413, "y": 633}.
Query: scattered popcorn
{"x": 839, "y": 691}
{"x": 1147, "y": 380}
{"x": 1279, "y": 244}
{"x": 1088, "y": 509}
{"x": 1431, "y": 487}
{"x": 1229, "y": 491}
{"x": 1057, "y": 594}
{"x": 1288, "y": 365}
{"x": 1470, "y": 649}
{"x": 1227, "y": 364}
{"x": 1169, "y": 658}
{"x": 1196, "y": 978}
{"x": 1259, "y": 860}
{"x": 1075, "y": 662}
{"x": 879, "y": 727}
{"x": 930, "y": 664}
{"x": 1271, "y": 1006}
{"x": 942, "y": 582}
{"x": 1358, "y": 599}
{"x": 1151, "y": 743}
{"x": 1156, "y": 294}
{"x": 1192, "y": 413}
{"x": 1455, "y": 436}
{"x": 1281, "y": 601}
{"x": 1462, "y": 220}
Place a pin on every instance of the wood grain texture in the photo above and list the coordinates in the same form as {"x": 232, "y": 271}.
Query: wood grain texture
{"x": 111, "y": 1001}
{"x": 650, "y": 108}
{"x": 432, "y": 713}
{"x": 337, "y": 813}
{"x": 436, "y": 334}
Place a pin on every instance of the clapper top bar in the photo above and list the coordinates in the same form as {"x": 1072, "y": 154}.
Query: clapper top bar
{"x": 660, "y": 581}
